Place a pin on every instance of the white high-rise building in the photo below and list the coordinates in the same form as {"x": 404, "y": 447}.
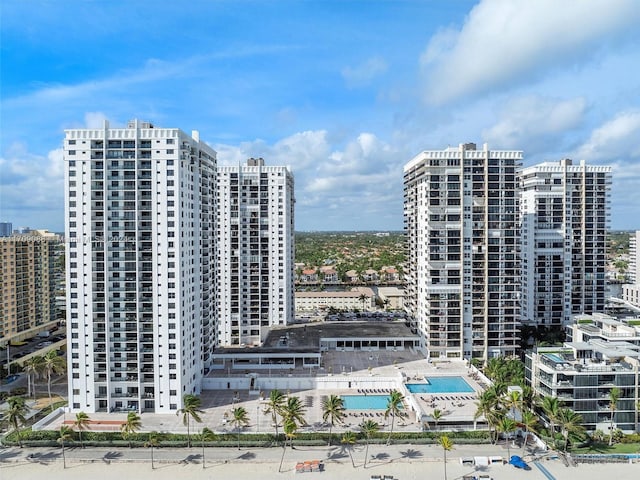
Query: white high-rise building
{"x": 461, "y": 211}
{"x": 634, "y": 263}
{"x": 140, "y": 309}
{"x": 255, "y": 251}
{"x": 565, "y": 217}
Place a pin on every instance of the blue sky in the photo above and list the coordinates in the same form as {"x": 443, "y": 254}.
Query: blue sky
{"x": 344, "y": 92}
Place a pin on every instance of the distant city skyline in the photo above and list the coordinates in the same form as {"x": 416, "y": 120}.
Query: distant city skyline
{"x": 345, "y": 93}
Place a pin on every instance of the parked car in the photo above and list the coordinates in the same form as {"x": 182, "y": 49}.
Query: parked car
{"x": 11, "y": 378}
{"x": 518, "y": 462}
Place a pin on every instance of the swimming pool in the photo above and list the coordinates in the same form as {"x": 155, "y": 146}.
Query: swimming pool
{"x": 365, "y": 402}
{"x": 555, "y": 358}
{"x": 441, "y": 385}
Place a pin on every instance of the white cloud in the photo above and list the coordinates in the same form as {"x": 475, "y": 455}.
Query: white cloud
{"x": 362, "y": 74}
{"x": 94, "y": 119}
{"x": 34, "y": 184}
{"x": 527, "y": 119}
{"x": 360, "y": 179}
{"x": 616, "y": 138}
{"x": 503, "y": 41}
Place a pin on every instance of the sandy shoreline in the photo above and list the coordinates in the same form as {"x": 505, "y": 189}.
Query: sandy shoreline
{"x": 403, "y": 462}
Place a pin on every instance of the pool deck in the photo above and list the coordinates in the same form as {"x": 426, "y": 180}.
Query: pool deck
{"x": 412, "y": 367}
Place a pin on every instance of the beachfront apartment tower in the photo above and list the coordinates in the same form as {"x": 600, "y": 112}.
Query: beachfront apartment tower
{"x": 633, "y": 273}
{"x": 27, "y": 284}
{"x": 461, "y": 214}
{"x": 255, "y": 250}
{"x": 140, "y": 308}
{"x": 565, "y": 217}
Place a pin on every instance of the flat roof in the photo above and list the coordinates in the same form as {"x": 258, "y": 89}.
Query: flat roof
{"x": 305, "y": 338}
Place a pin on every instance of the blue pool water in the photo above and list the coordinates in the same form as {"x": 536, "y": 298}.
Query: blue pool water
{"x": 441, "y": 385}
{"x": 365, "y": 402}
{"x": 555, "y": 358}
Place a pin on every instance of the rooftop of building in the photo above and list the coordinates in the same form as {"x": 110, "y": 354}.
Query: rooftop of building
{"x": 306, "y": 337}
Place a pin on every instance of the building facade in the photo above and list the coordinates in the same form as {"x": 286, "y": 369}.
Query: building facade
{"x": 6, "y": 229}
{"x": 461, "y": 213}
{"x": 565, "y": 217}
{"x": 27, "y": 284}
{"x": 140, "y": 261}
{"x": 255, "y": 251}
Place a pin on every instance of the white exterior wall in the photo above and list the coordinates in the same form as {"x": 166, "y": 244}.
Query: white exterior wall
{"x": 634, "y": 263}
{"x": 564, "y": 225}
{"x": 462, "y": 272}
{"x": 255, "y": 248}
{"x": 139, "y": 329}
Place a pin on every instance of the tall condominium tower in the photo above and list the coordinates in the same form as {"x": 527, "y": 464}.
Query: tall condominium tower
{"x": 634, "y": 263}
{"x": 461, "y": 211}
{"x": 255, "y": 249}
{"x": 140, "y": 263}
{"x": 27, "y": 284}
{"x": 565, "y": 216}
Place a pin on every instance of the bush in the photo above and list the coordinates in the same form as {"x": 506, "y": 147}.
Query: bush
{"x": 18, "y": 391}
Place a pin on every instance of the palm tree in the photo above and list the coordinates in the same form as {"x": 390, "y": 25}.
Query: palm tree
{"x": 240, "y": 418}
{"x": 333, "y": 411}
{"x": 130, "y": 426}
{"x": 152, "y": 442}
{"x": 614, "y": 396}
{"x": 52, "y": 363}
{"x": 294, "y": 410}
{"x": 487, "y": 406}
{"x": 64, "y": 435}
{"x": 349, "y": 439}
{"x": 507, "y": 425}
{"x": 15, "y": 415}
{"x": 33, "y": 368}
{"x": 275, "y": 405}
{"x": 512, "y": 402}
{"x": 207, "y": 435}
{"x": 368, "y": 429}
{"x": 570, "y": 424}
{"x": 363, "y": 298}
{"x": 81, "y": 422}
{"x": 447, "y": 446}
{"x": 551, "y": 408}
{"x": 529, "y": 422}
{"x": 190, "y": 410}
{"x": 290, "y": 427}
{"x": 437, "y": 416}
{"x": 394, "y": 408}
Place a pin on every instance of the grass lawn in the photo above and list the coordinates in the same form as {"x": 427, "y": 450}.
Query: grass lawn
{"x": 605, "y": 448}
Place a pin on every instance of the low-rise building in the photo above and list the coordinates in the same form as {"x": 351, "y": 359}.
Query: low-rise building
{"x": 357, "y": 299}
{"x": 603, "y": 354}
{"x": 392, "y": 297}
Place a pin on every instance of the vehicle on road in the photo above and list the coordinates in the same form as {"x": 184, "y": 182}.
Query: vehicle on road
{"x": 11, "y": 378}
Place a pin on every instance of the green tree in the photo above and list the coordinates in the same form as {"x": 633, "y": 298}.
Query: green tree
{"x": 368, "y": 428}
{"x": 15, "y": 415}
{"x": 33, "y": 367}
{"x": 333, "y": 411}
{"x": 447, "y": 445}
{"x": 437, "y": 416}
{"x": 551, "y": 408}
{"x": 152, "y": 442}
{"x": 570, "y": 425}
{"x": 64, "y": 436}
{"x": 131, "y": 425}
{"x": 190, "y": 410}
{"x": 513, "y": 402}
{"x": 52, "y": 364}
{"x": 506, "y": 426}
{"x": 529, "y": 422}
{"x": 363, "y": 298}
{"x": 294, "y": 410}
{"x": 275, "y": 405}
{"x": 394, "y": 409}
{"x": 239, "y": 419}
{"x": 81, "y": 422}
{"x": 614, "y": 396}
{"x": 349, "y": 439}
{"x": 206, "y": 435}
{"x": 290, "y": 428}
{"x": 488, "y": 406}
